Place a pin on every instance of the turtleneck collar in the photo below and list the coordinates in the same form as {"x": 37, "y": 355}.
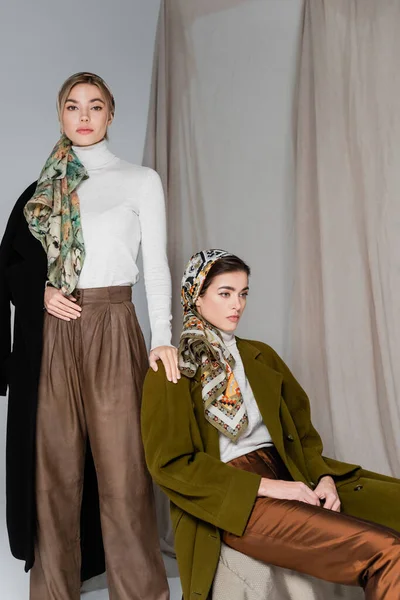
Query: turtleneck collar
{"x": 228, "y": 338}
{"x": 95, "y": 156}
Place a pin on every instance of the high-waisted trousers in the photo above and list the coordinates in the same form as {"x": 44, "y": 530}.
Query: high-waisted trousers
{"x": 317, "y": 541}
{"x": 90, "y": 387}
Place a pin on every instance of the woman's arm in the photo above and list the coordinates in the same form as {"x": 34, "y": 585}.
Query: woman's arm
{"x": 155, "y": 264}
{"x": 157, "y": 276}
{"x": 196, "y": 482}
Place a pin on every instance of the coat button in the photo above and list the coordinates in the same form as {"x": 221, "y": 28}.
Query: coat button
{"x": 290, "y": 438}
{"x": 358, "y": 488}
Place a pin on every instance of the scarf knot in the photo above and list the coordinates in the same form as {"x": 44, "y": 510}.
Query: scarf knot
{"x": 53, "y": 216}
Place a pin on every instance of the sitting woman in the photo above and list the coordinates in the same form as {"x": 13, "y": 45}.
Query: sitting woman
{"x": 233, "y": 446}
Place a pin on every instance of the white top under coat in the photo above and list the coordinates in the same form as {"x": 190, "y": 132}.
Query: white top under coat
{"x": 122, "y": 206}
{"x": 256, "y": 435}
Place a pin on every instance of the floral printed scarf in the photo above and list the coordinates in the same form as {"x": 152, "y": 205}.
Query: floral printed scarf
{"x": 53, "y": 216}
{"x": 201, "y": 346}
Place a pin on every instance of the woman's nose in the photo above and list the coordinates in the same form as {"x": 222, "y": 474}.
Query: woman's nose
{"x": 236, "y": 304}
{"x": 84, "y": 118}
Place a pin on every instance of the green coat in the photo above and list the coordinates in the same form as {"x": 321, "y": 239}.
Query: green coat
{"x": 207, "y": 495}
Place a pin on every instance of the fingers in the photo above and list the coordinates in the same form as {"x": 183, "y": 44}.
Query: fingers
{"x": 67, "y": 307}
{"x": 326, "y": 490}
{"x": 69, "y": 302}
{"x": 153, "y": 363}
{"x": 334, "y": 504}
{"x": 331, "y": 500}
{"x": 58, "y": 314}
{"x": 169, "y": 357}
{"x": 169, "y": 366}
{"x": 173, "y": 362}
{"x": 60, "y": 306}
{"x": 310, "y": 496}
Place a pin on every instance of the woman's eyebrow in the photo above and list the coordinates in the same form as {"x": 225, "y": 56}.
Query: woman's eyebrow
{"x": 90, "y": 101}
{"x": 232, "y": 289}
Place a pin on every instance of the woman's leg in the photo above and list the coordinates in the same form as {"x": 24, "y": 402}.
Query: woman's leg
{"x": 319, "y": 542}
{"x": 115, "y": 365}
{"x": 60, "y": 446}
{"x": 322, "y": 543}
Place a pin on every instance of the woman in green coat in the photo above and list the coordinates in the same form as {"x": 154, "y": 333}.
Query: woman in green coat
{"x": 233, "y": 446}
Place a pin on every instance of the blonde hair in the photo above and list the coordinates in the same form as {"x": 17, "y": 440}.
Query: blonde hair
{"x": 84, "y": 77}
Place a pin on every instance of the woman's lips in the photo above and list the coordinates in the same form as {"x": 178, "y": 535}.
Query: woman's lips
{"x": 84, "y": 131}
{"x": 234, "y": 319}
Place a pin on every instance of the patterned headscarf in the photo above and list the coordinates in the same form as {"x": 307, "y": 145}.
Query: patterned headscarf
{"x": 201, "y": 346}
{"x": 53, "y": 216}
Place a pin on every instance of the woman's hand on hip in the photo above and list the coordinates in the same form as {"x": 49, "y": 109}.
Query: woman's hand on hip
{"x": 288, "y": 490}
{"x": 60, "y": 306}
{"x": 169, "y": 357}
{"x": 326, "y": 490}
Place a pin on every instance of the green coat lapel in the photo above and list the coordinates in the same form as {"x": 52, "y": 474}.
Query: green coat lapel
{"x": 266, "y": 385}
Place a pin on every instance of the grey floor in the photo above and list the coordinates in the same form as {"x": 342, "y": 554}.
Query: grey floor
{"x": 96, "y": 588}
{"x": 174, "y": 586}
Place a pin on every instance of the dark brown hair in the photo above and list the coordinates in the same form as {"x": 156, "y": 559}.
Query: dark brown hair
{"x": 227, "y": 264}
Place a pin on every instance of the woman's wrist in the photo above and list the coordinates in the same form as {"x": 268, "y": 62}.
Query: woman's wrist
{"x": 263, "y": 487}
{"x": 327, "y": 479}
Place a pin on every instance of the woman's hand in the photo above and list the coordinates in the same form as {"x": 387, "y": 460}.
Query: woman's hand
{"x": 326, "y": 490}
{"x": 169, "y": 357}
{"x": 60, "y": 306}
{"x": 288, "y": 490}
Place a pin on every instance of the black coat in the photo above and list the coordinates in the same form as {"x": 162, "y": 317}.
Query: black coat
{"x": 23, "y": 273}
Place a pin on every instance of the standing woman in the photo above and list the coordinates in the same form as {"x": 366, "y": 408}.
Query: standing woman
{"x": 75, "y": 373}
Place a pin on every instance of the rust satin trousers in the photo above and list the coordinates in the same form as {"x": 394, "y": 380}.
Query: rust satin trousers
{"x": 313, "y": 540}
{"x": 90, "y": 385}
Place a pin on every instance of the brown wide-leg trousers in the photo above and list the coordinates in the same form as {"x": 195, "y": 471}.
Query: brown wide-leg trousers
{"x": 90, "y": 385}
{"x": 313, "y": 540}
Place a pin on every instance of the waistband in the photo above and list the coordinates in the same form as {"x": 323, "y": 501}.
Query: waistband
{"x": 104, "y": 295}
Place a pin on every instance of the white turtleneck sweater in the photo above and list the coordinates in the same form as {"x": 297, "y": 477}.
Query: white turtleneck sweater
{"x": 256, "y": 435}
{"x": 122, "y": 206}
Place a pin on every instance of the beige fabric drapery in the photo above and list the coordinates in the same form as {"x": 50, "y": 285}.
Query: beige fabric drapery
{"x": 346, "y": 317}
{"x": 220, "y": 136}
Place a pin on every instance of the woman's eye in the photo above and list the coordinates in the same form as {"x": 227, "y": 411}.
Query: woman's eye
{"x": 244, "y": 295}
{"x": 97, "y": 108}
{"x": 224, "y": 294}
{"x": 71, "y": 107}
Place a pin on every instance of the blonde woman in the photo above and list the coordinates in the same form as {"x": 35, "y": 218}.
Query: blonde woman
{"x": 75, "y": 372}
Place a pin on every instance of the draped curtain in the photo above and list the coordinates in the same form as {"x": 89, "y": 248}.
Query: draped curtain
{"x": 346, "y": 318}
{"x": 220, "y": 134}
{"x": 275, "y": 129}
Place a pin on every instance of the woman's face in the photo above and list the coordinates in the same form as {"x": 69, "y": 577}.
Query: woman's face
{"x": 85, "y": 116}
{"x": 225, "y": 300}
